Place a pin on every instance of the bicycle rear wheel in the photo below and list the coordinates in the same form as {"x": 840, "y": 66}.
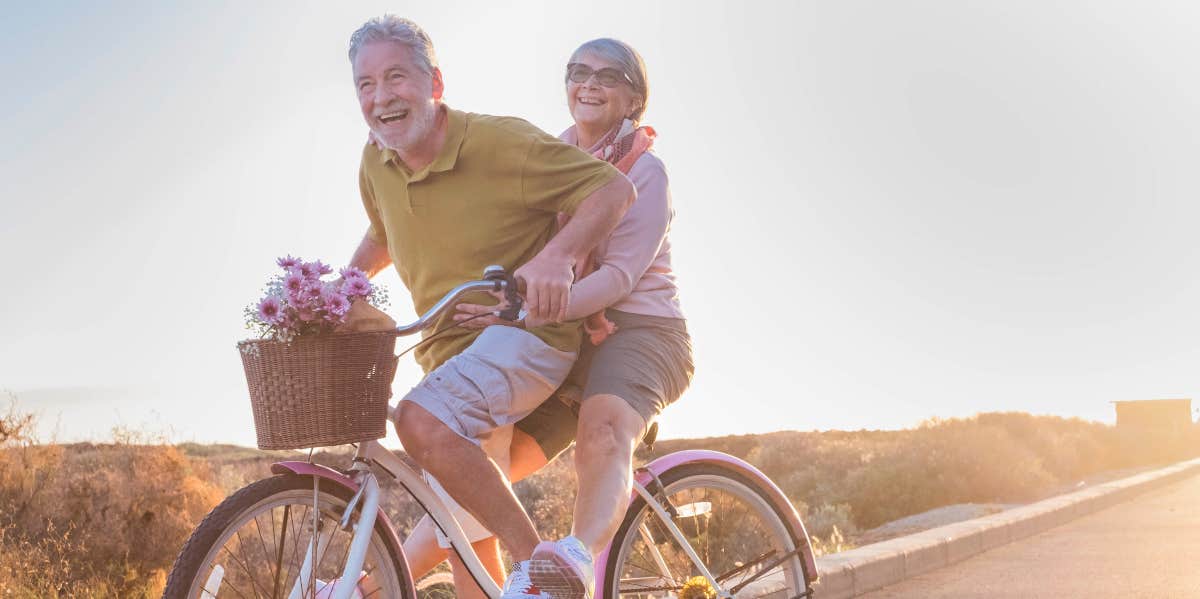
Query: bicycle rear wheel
{"x": 256, "y": 542}
{"x": 739, "y": 536}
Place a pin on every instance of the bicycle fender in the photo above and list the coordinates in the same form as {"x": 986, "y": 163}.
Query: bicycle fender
{"x": 327, "y": 473}
{"x": 703, "y": 456}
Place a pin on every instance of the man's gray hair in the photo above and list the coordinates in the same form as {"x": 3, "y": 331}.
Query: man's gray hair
{"x": 400, "y": 30}
{"x": 627, "y": 60}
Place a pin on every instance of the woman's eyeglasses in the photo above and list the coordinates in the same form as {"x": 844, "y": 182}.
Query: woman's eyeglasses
{"x": 608, "y": 77}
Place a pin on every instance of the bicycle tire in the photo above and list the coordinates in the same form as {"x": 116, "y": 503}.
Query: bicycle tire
{"x": 689, "y": 486}
{"x": 194, "y": 566}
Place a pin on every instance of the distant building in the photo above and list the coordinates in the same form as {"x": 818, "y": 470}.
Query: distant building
{"x": 1154, "y": 415}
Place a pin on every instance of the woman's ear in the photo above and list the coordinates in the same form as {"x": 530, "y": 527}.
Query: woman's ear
{"x": 635, "y": 106}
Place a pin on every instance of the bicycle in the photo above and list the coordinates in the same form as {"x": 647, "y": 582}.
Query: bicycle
{"x": 698, "y": 521}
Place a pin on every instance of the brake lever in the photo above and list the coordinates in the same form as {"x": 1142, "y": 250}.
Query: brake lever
{"x": 511, "y": 296}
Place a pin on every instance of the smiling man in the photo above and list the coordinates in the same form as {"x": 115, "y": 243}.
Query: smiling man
{"x": 450, "y": 194}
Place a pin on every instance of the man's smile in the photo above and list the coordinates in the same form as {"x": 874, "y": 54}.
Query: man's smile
{"x": 388, "y": 118}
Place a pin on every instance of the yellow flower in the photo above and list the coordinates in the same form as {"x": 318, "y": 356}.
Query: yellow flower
{"x": 697, "y": 587}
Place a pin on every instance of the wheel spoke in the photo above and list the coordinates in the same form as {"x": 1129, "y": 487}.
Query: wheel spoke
{"x": 235, "y": 541}
{"x": 244, "y": 567}
{"x": 738, "y": 536}
{"x": 301, "y": 523}
{"x": 263, "y": 544}
{"x": 232, "y": 587}
{"x": 287, "y": 510}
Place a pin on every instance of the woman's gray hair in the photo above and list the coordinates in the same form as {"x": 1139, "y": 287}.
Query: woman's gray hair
{"x": 627, "y": 60}
{"x": 399, "y": 30}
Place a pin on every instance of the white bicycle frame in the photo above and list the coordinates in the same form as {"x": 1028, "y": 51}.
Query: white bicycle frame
{"x": 369, "y": 495}
{"x": 372, "y": 452}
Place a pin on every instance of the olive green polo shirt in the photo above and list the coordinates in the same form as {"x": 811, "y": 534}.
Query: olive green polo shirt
{"x": 491, "y": 196}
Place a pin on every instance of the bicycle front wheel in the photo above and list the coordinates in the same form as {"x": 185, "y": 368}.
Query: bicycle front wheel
{"x": 256, "y": 544}
{"x": 739, "y": 536}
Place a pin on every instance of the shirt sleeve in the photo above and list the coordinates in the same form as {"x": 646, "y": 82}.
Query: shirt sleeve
{"x": 632, "y": 248}
{"x": 557, "y": 176}
{"x": 376, "y": 231}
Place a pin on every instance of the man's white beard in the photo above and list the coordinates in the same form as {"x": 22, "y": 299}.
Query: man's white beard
{"x": 421, "y": 122}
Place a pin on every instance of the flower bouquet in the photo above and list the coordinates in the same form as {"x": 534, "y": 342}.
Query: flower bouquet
{"x": 311, "y": 385}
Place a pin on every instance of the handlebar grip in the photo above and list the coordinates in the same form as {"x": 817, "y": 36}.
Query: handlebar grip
{"x": 513, "y": 297}
{"x": 511, "y": 291}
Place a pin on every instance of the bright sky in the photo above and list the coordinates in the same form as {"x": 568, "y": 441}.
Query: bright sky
{"x": 886, "y": 211}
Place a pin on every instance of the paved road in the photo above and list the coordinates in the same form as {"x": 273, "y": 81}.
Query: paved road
{"x": 1147, "y": 547}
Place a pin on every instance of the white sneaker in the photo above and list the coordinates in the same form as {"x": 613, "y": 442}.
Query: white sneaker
{"x": 564, "y": 569}
{"x": 518, "y": 586}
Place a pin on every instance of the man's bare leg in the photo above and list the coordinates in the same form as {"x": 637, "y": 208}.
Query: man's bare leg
{"x": 467, "y": 474}
{"x": 488, "y": 551}
{"x": 421, "y": 548}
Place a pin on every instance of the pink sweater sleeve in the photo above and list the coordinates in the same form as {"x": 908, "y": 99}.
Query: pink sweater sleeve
{"x": 633, "y": 246}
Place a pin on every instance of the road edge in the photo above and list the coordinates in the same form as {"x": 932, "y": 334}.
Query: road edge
{"x": 870, "y": 567}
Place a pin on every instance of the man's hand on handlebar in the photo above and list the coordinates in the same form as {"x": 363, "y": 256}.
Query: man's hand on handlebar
{"x": 547, "y": 279}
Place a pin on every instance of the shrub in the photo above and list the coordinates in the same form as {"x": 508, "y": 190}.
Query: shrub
{"x": 95, "y": 520}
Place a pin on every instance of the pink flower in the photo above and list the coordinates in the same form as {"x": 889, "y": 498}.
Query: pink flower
{"x": 300, "y": 303}
{"x": 311, "y": 290}
{"x": 315, "y": 269}
{"x": 337, "y": 305}
{"x": 288, "y": 262}
{"x": 356, "y": 287}
{"x": 294, "y": 283}
{"x": 270, "y": 310}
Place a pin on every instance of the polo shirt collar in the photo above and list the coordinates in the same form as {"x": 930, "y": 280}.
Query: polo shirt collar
{"x": 456, "y": 131}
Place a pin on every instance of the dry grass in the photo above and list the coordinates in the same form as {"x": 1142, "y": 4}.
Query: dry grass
{"x": 94, "y": 520}
{"x": 106, "y": 520}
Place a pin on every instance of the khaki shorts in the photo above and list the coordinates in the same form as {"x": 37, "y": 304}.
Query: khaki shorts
{"x": 499, "y": 379}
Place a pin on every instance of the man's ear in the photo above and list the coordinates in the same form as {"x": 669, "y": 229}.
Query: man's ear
{"x": 438, "y": 87}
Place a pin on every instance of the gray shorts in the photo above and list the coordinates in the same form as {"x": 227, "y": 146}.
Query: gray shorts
{"x": 647, "y": 363}
{"x": 499, "y": 379}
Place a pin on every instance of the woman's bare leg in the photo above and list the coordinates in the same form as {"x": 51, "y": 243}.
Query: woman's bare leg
{"x": 609, "y": 430}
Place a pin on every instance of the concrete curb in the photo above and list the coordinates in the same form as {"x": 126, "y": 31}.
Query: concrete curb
{"x": 852, "y": 573}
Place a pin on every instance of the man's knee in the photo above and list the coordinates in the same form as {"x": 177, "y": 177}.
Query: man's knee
{"x": 418, "y": 430}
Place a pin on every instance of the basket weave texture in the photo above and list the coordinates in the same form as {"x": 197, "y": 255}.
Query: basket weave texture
{"x": 321, "y": 390}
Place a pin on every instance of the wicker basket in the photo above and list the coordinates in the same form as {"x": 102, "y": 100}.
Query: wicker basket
{"x": 321, "y": 390}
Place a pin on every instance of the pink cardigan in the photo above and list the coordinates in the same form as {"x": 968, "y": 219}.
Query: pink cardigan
{"x": 634, "y": 273}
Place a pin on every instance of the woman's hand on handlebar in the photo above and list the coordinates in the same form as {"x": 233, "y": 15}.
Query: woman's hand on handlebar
{"x": 479, "y": 316}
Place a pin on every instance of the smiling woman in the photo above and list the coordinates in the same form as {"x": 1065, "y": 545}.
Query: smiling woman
{"x": 606, "y": 84}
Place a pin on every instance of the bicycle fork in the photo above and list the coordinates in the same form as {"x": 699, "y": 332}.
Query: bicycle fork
{"x": 345, "y": 587}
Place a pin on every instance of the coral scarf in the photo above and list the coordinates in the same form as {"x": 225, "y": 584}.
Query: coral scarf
{"x": 621, "y": 147}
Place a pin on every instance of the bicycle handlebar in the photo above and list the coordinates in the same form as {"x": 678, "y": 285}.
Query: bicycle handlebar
{"x": 495, "y": 278}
